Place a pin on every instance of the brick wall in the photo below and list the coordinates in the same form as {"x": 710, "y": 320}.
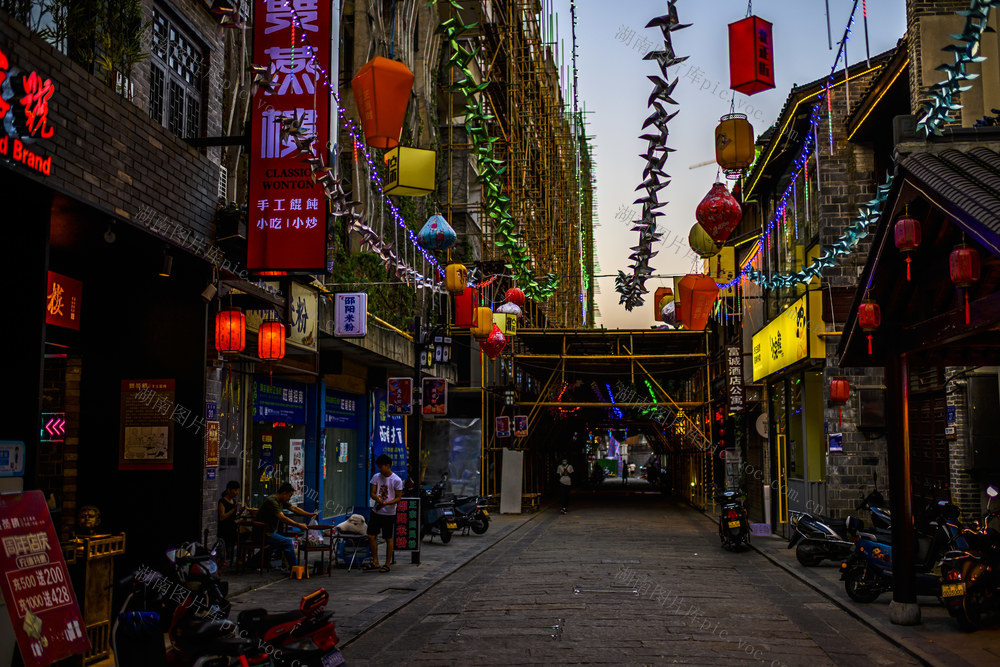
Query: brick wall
{"x": 965, "y": 491}
{"x": 107, "y": 151}
{"x": 931, "y": 12}
{"x": 57, "y": 461}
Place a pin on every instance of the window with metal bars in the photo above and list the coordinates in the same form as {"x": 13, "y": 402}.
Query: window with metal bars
{"x": 175, "y": 77}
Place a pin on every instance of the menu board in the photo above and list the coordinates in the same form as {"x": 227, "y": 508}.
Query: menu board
{"x": 148, "y": 413}
{"x": 408, "y": 524}
{"x": 35, "y": 583}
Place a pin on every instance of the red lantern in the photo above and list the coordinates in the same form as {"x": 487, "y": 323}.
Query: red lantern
{"x": 230, "y": 331}
{"x": 907, "y": 235}
{"x": 271, "y": 341}
{"x": 494, "y": 343}
{"x": 719, "y": 213}
{"x": 515, "y": 296}
{"x": 382, "y": 89}
{"x": 963, "y": 264}
{"x": 466, "y": 305}
{"x": 840, "y": 391}
{"x": 869, "y": 318}
{"x": 751, "y": 56}
{"x": 698, "y": 294}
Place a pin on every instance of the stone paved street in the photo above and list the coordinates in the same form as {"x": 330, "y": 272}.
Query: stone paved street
{"x": 624, "y": 578}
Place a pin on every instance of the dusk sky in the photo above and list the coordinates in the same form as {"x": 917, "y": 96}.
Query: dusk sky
{"x": 614, "y": 88}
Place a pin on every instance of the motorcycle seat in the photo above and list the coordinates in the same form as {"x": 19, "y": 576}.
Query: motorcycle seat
{"x": 209, "y": 630}
{"x": 258, "y": 621}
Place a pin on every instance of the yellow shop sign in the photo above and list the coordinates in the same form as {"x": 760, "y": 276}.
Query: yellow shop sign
{"x": 789, "y": 337}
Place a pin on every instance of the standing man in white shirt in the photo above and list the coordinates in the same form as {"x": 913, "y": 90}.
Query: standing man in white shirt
{"x": 386, "y": 489}
{"x": 564, "y": 472}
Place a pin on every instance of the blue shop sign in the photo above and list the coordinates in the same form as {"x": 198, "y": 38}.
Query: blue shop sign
{"x": 279, "y": 403}
{"x": 341, "y": 410}
{"x": 388, "y": 436}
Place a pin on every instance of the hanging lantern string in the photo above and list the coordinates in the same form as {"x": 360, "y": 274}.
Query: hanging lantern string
{"x": 356, "y": 135}
{"x": 808, "y": 145}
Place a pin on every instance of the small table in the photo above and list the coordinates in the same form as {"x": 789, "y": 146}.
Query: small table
{"x": 324, "y": 548}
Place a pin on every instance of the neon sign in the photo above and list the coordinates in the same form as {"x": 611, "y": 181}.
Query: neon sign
{"x": 24, "y": 114}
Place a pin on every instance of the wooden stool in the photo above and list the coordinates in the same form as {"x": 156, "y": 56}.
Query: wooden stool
{"x": 298, "y": 571}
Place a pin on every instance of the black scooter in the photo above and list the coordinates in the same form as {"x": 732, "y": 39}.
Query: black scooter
{"x": 734, "y": 525}
{"x": 819, "y": 537}
{"x": 437, "y": 516}
{"x": 970, "y": 578}
{"x": 471, "y": 513}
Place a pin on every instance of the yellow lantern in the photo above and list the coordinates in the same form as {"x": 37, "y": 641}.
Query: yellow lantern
{"x": 410, "y": 171}
{"x": 701, "y": 242}
{"x": 456, "y": 278}
{"x": 734, "y": 144}
{"x": 484, "y": 323}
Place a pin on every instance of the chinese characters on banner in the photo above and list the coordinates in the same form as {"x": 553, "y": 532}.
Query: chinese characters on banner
{"x": 734, "y": 381}
{"x": 297, "y": 468}
{"x": 388, "y": 436}
{"x": 287, "y": 226}
{"x": 24, "y": 116}
{"x": 211, "y": 444}
{"x": 400, "y": 400}
{"x": 148, "y": 413}
{"x": 62, "y": 301}
{"x": 351, "y": 315}
{"x": 408, "y": 524}
{"x": 35, "y": 583}
{"x": 503, "y": 427}
{"x": 435, "y": 397}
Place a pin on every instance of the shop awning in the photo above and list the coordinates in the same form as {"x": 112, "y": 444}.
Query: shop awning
{"x": 955, "y": 195}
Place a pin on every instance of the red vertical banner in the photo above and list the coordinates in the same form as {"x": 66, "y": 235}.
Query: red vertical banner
{"x": 287, "y": 222}
{"x": 35, "y": 583}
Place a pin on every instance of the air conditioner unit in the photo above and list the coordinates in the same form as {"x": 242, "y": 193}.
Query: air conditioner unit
{"x": 223, "y": 184}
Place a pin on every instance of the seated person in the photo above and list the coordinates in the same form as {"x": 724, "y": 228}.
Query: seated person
{"x": 270, "y": 513}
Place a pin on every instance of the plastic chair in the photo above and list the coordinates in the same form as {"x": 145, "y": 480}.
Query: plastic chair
{"x": 356, "y": 542}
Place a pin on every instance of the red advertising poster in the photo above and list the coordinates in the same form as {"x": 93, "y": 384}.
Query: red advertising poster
{"x": 62, "y": 301}
{"x": 287, "y": 224}
{"x": 435, "y": 396}
{"x": 400, "y": 396}
{"x": 35, "y": 584}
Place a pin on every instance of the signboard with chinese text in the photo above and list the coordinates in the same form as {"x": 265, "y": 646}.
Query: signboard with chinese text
{"x": 400, "y": 400}
{"x": 278, "y": 403}
{"x": 789, "y": 337}
{"x": 211, "y": 444}
{"x": 734, "y": 378}
{"x": 520, "y": 426}
{"x": 303, "y": 314}
{"x": 11, "y": 458}
{"x": 341, "y": 410}
{"x": 25, "y": 97}
{"x": 35, "y": 583}
{"x": 503, "y": 427}
{"x": 297, "y": 468}
{"x": 388, "y": 436}
{"x": 287, "y": 224}
{"x": 148, "y": 415}
{"x": 62, "y": 301}
{"x": 408, "y": 524}
{"x": 435, "y": 397}
{"x": 350, "y": 315}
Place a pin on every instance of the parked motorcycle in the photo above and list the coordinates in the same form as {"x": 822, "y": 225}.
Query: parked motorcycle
{"x": 437, "y": 515}
{"x": 819, "y": 537}
{"x": 970, "y": 578}
{"x": 306, "y": 637}
{"x": 868, "y": 572}
{"x": 734, "y": 525}
{"x": 471, "y": 513}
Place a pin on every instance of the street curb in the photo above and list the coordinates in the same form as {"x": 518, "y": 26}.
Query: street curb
{"x": 924, "y": 657}
{"x": 399, "y": 604}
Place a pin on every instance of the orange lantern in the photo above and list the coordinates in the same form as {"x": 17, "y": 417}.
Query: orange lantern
{"x": 697, "y": 293}
{"x": 963, "y": 265}
{"x": 382, "y": 89}
{"x": 484, "y": 323}
{"x": 271, "y": 341}
{"x": 840, "y": 392}
{"x": 230, "y": 331}
{"x": 456, "y": 278}
{"x": 658, "y": 301}
{"x": 734, "y": 144}
{"x": 869, "y": 318}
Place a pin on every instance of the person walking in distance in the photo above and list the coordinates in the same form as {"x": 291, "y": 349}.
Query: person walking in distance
{"x": 564, "y": 472}
{"x": 386, "y": 489}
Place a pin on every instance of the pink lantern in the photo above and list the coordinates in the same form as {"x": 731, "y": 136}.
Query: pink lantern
{"x": 494, "y": 343}
{"x": 719, "y": 213}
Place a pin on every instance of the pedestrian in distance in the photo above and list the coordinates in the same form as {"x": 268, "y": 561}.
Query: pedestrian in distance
{"x": 564, "y": 472}
{"x": 229, "y": 509}
{"x": 625, "y": 474}
{"x": 270, "y": 514}
{"x": 385, "y": 490}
